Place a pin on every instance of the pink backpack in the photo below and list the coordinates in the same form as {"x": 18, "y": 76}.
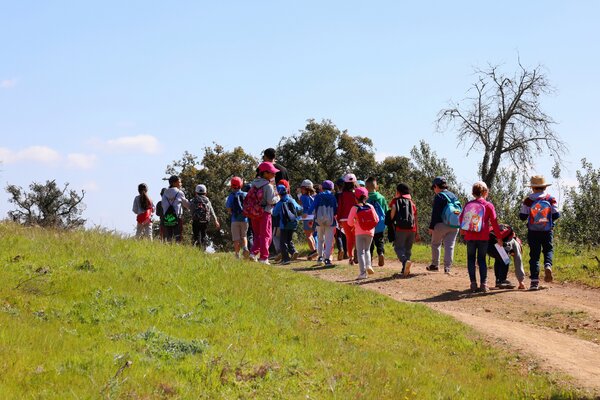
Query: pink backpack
{"x": 472, "y": 216}
{"x": 253, "y": 203}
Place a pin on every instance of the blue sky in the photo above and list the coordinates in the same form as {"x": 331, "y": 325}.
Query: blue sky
{"x": 104, "y": 95}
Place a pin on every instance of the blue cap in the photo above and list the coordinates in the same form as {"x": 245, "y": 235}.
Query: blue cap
{"x": 281, "y": 189}
{"x": 360, "y": 182}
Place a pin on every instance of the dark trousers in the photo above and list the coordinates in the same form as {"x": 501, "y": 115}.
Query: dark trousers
{"x": 287, "y": 244}
{"x": 199, "y": 237}
{"x": 173, "y": 232}
{"x": 539, "y": 243}
{"x": 476, "y": 252}
{"x": 378, "y": 241}
{"x": 340, "y": 241}
{"x": 500, "y": 268}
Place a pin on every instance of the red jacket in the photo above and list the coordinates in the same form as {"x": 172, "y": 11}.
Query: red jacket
{"x": 346, "y": 201}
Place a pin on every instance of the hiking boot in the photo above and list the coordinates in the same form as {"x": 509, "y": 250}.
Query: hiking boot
{"x": 484, "y": 288}
{"x": 295, "y": 256}
{"x": 370, "y": 270}
{"x": 433, "y": 268}
{"x": 381, "y": 261}
{"x": 521, "y": 286}
{"x": 311, "y": 255}
{"x": 327, "y": 262}
{"x": 535, "y": 285}
{"x": 340, "y": 255}
{"x": 548, "y": 273}
{"x": 474, "y": 287}
{"x": 406, "y": 271}
{"x": 361, "y": 276}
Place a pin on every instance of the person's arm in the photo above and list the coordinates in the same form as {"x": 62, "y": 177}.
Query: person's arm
{"x": 494, "y": 221}
{"x": 184, "y": 202}
{"x": 375, "y": 216}
{"x": 214, "y": 214}
{"x": 135, "y": 208}
{"x": 439, "y": 201}
{"x": 351, "y": 216}
{"x": 524, "y": 212}
{"x": 315, "y": 204}
{"x": 228, "y": 204}
{"x": 297, "y": 206}
{"x": 417, "y": 236}
{"x": 555, "y": 213}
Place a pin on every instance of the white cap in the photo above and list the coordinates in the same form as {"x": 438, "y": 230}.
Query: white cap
{"x": 201, "y": 189}
{"x": 349, "y": 178}
{"x": 306, "y": 183}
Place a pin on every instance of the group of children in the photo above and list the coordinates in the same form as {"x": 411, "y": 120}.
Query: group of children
{"x": 353, "y": 216}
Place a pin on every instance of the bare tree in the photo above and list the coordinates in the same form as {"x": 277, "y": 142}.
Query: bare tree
{"x": 47, "y": 205}
{"x": 503, "y": 118}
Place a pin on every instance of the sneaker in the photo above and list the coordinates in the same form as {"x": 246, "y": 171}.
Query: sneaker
{"x": 407, "y": 268}
{"x": 312, "y": 255}
{"x": 295, "y": 256}
{"x": 246, "y": 253}
{"x": 521, "y": 286}
{"x": 446, "y": 270}
{"x": 474, "y": 287}
{"x": 535, "y": 285}
{"x": 346, "y": 256}
{"x": 381, "y": 260}
{"x": 484, "y": 288}
{"x": 370, "y": 270}
{"x": 433, "y": 268}
{"x": 548, "y": 273}
{"x": 277, "y": 258}
{"x": 506, "y": 284}
{"x": 320, "y": 261}
{"x": 253, "y": 257}
{"x": 351, "y": 261}
{"x": 327, "y": 262}
{"x": 265, "y": 261}
{"x": 361, "y": 276}
{"x": 237, "y": 255}
{"x": 286, "y": 262}
{"x": 340, "y": 255}
{"x": 498, "y": 285}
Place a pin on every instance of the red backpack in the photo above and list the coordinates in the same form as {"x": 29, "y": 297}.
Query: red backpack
{"x": 366, "y": 218}
{"x": 253, "y": 207}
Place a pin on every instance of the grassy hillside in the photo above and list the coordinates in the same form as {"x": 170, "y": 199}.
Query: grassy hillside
{"x": 89, "y": 315}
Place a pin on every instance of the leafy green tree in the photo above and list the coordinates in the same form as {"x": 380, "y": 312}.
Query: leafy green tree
{"x": 321, "y": 151}
{"x": 47, "y": 205}
{"x": 579, "y": 222}
{"x": 392, "y": 171}
{"x": 215, "y": 170}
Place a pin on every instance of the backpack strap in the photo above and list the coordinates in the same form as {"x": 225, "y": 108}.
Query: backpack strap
{"x": 446, "y": 196}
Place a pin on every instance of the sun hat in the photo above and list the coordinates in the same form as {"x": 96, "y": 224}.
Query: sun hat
{"x": 267, "y": 166}
{"x": 349, "y": 178}
{"x": 236, "y": 182}
{"x": 538, "y": 181}
{"x": 327, "y": 185}
{"x": 201, "y": 189}
{"x": 360, "y": 192}
{"x": 439, "y": 181}
{"x": 281, "y": 189}
{"x": 306, "y": 183}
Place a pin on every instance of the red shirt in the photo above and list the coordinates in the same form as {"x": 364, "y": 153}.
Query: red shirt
{"x": 346, "y": 201}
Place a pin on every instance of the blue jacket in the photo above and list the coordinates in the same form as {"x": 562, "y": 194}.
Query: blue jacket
{"x": 324, "y": 199}
{"x": 439, "y": 203}
{"x": 278, "y": 212}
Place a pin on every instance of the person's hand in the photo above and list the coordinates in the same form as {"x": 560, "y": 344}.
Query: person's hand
{"x": 500, "y": 242}
{"x": 430, "y": 232}
{"x": 217, "y": 225}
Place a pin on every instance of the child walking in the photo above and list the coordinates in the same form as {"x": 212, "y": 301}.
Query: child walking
{"x": 143, "y": 208}
{"x": 346, "y": 202}
{"x": 340, "y": 237}
{"x": 381, "y": 208}
{"x": 202, "y": 213}
{"x": 307, "y": 197}
{"x": 173, "y": 201}
{"x": 258, "y": 206}
{"x": 324, "y": 209}
{"x": 363, "y": 218}
{"x": 475, "y": 221}
{"x": 540, "y": 210}
{"x": 239, "y": 222}
{"x": 404, "y": 219}
{"x": 287, "y": 212}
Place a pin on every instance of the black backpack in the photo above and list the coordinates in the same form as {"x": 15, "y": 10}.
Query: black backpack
{"x": 170, "y": 218}
{"x": 201, "y": 213}
{"x": 405, "y": 217}
{"x": 288, "y": 213}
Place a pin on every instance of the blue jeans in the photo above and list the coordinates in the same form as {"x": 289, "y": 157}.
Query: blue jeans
{"x": 539, "y": 243}
{"x": 477, "y": 249}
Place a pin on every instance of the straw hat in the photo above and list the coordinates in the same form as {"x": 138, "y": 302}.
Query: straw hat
{"x": 538, "y": 181}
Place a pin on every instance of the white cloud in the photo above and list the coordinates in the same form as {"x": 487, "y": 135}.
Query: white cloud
{"x": 81, "y": 161}
{"x": 91, "y": 186}
{"x": 380, "y": 156}
{"x": 140, "y": 143}
{"x": 40, "y": 154}
{"x": 8, "y": 83}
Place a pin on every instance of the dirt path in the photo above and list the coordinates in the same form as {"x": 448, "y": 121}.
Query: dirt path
{"x": 558, "y": 325}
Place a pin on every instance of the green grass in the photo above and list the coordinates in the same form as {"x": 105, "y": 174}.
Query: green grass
{"x": 90, "y": 315}
{"x": 571, "y": 264}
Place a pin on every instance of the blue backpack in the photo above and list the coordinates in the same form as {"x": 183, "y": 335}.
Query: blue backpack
{"x": 380, "y": 227}
{"x": 238, "y": 204}
{"x": 451, "y": 212}
{"x": 540, "y": 215}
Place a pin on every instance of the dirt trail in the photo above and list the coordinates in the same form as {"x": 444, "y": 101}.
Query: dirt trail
{"x": 558, "y": 325}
